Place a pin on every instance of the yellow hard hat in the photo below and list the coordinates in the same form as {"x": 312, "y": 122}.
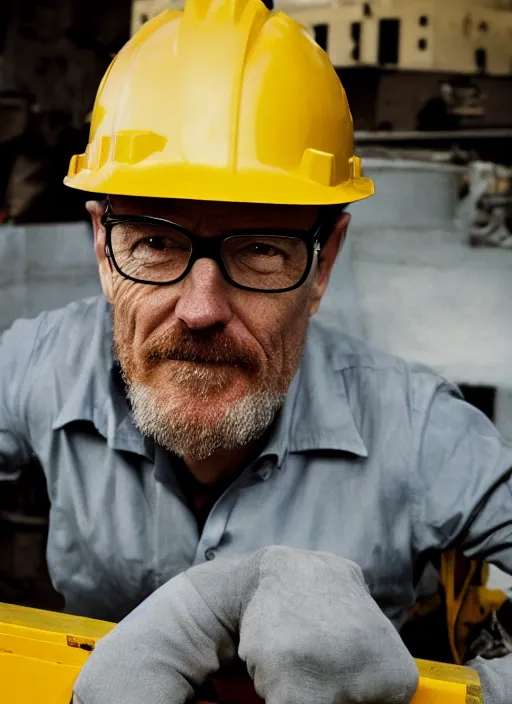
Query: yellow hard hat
{"x": 224, "y": 101}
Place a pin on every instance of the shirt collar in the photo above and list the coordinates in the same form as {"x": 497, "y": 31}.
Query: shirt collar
{"x": 316, "y": 414}
{"x": 98, "y": 394}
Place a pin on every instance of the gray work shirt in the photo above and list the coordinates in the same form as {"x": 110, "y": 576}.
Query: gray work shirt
{"x": 371, "y": 458}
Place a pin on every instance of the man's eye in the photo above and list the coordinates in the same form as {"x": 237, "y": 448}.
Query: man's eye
{"x": 137, "y": 237}
{"x": 263, "y": 249}
{"x": 160, "y": 244}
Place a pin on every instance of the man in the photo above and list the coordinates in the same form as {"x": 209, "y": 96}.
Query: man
{"x": 196, "y": 414}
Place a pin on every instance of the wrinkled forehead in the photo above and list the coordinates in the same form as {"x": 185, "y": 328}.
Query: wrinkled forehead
{"x": 225, "y": 216}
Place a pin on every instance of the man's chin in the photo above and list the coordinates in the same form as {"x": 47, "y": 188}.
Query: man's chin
{"x": 197, "y": 426}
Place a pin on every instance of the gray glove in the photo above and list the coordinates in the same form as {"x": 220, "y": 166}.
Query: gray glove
{"x": 311, "y": 632}
{"x": 305, "y": 622}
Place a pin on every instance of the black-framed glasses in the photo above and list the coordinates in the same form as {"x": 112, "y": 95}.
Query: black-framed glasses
{"x": 159, "y": 252}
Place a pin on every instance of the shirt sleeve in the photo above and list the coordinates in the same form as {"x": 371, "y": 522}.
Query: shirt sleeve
{"x": 16, "y": 352}
{"x": 463, "y": 499}
{"x": 463, "y": 495}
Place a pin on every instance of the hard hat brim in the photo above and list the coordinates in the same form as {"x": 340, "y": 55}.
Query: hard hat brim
{"x": 216, "y": 184}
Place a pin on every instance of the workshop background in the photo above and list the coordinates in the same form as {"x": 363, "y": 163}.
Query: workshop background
{"x": 427, "y": 269}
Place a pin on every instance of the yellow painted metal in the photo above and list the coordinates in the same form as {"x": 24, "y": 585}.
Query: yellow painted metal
{"x": 447, "y": 684}
{"x": 468, "y": 603}
{"x": 224, "y": 101}
{"x": 41, "y": 654}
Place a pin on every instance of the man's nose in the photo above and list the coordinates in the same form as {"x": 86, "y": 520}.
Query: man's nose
{"x": 204, "y": 299}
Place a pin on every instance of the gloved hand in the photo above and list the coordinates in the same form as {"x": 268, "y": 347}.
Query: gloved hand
{"x": 306, "y": 624}
{"x": 311, "y": 632}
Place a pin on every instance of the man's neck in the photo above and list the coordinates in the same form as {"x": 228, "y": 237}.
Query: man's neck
{"x": 204, "y": 481}
{"x": 223, "y": 467}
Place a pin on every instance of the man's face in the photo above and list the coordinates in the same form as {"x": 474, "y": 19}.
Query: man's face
{"x": 208, "y": 365}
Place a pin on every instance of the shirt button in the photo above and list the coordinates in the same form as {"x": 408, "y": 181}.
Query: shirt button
{"x": 210, "y": 554}
{"x": 265, "y": 474}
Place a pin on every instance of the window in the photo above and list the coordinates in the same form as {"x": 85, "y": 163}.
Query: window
{"x": 423, "y": 21}
{"x": 144, "y": 18}
{"x": 389, "y": 40}
{"x": 483, "y": 27}
{"x": 481, "y": 60}
{"x": 367, "y": 10}
{"x": 422, "y": 44}
{"x": 321, "y": 35}
{"x": 355, "y": 34}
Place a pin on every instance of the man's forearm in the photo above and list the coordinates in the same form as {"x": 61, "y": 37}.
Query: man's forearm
{"x": 169, "y": 644}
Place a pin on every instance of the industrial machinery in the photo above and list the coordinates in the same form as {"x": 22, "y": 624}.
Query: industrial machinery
{"x": 41, "y": 654}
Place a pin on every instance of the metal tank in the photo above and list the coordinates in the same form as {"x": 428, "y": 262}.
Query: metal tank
{"x": 410, "y": 283}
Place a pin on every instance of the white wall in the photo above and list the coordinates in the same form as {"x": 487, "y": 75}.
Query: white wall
{"x": 44, "y": 267}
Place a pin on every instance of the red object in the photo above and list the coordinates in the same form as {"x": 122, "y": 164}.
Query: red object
{"x": 233, "y": 687}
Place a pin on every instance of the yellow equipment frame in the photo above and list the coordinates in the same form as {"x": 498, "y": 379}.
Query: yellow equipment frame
{"x": 41, "y": 654}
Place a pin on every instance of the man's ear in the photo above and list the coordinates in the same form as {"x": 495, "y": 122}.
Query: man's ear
{"x": 95, "y": 210}
{"x": 326, "y": 260}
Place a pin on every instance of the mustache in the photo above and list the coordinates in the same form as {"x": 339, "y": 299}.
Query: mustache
{"x": 203, "y": 347}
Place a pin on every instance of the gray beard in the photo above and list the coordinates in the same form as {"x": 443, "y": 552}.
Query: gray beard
{"x": 246, "y": 421}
